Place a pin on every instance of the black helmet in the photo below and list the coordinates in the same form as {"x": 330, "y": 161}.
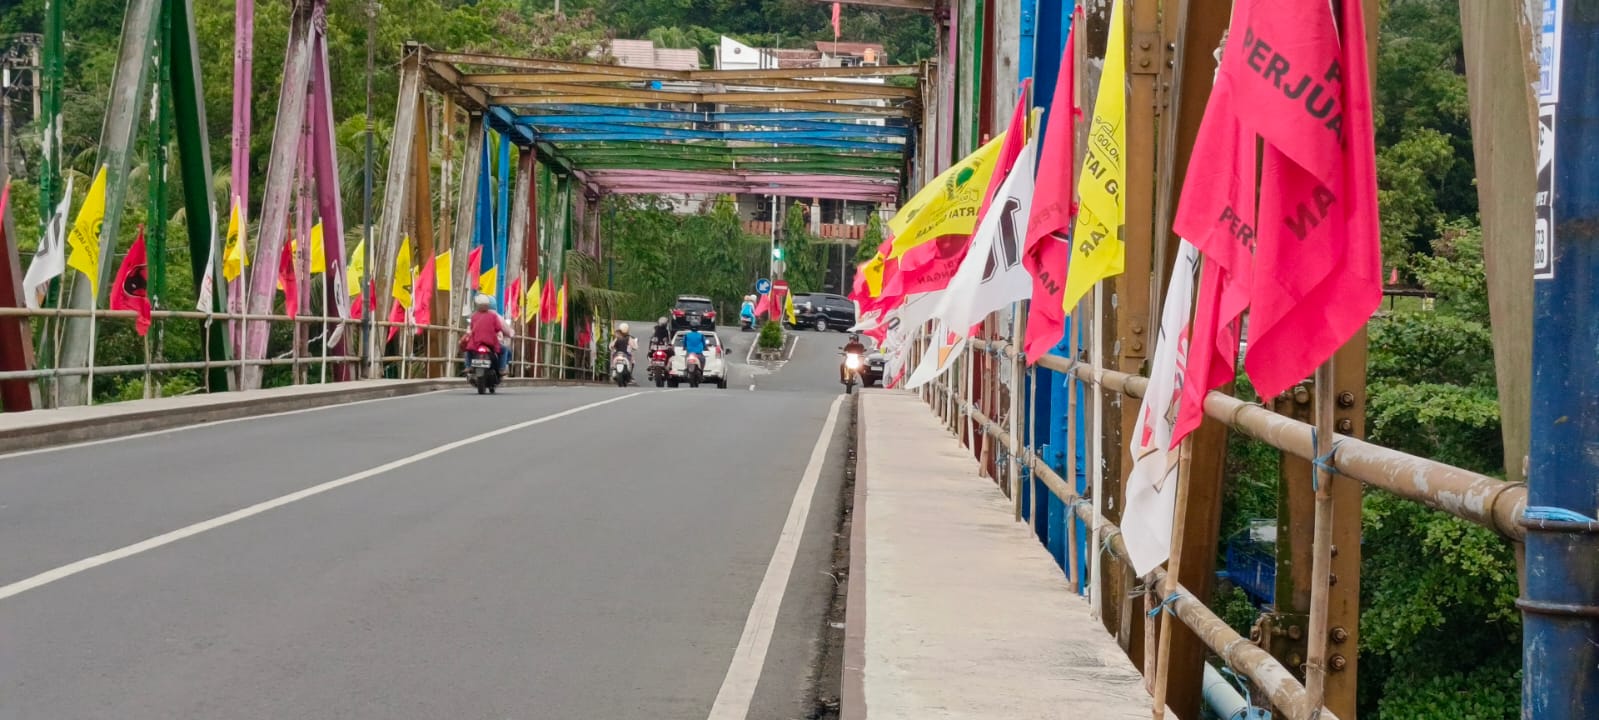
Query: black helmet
{"x": 854, "y": 337}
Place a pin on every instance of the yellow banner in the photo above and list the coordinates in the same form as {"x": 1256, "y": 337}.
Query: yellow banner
{"x": 441, "y": 269}
{"x": 355, "y": 274}
{"x": 319, "y": 260}
{"x": 560, "y": 304}
{"x": 1098, "y": 251}
{"x": 873, "y": 271}
{"x": 948, "y": 205}
{"x": 403, "y": 274}
{"x": 489, "y": 281}
{"x": 236, "y": 259}
{"x": 85, "y": 236}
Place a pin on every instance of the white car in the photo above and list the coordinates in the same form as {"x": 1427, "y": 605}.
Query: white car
{"x": 715, "y": 369}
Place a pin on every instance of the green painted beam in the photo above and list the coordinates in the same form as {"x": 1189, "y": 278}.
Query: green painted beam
{"x": 194, "y": 168}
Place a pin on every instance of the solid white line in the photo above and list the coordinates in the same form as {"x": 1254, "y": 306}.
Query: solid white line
{"x": 66, "y": 571}
{"x": 213, "y": 423}
{"x": 738, "y": 688}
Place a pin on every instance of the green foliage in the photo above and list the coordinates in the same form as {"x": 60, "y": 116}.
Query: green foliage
{"x": 660, "y": 255}
{"x": 771, "y": 337}
{"x": 870, "y": 241}
{"x": 1235, "y": 608}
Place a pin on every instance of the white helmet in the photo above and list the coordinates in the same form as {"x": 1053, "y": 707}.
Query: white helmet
{"x": 622, "y": 328}
{"x": 661, "y": 321}
{"x": 483, "y": 301}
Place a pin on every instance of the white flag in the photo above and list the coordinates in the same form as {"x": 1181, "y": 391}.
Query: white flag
{"x": 1152, "y": 485}
{"x": 208, "y": 280}
{"x": 991, "y": 276}
{"x": 50, "y": 260}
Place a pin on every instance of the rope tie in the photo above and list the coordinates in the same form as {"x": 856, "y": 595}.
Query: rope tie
{"x": 1547, "y": 513}
{"x": 1166, "y": 605}
{"x": 1322, "y": 462}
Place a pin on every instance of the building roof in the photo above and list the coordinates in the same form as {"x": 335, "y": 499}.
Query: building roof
{"x": 644, "y": 54}
{"x": 857, "y": 49}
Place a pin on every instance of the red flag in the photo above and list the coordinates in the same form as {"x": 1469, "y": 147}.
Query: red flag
{"x": 836, "y": 24}
{"x": 288, "y": 281}
{"x": 130, "y": 291}
{"x": 585, "y": 333}
{"x": 357, "y": 308}
{"x": 513, "y": 300}
{"x": 763, "y": 306}
{"x": 422, "y": 294}
{"x": 1318, "y": 266}
{"x": 547, "y": 310}
{"x": 473, "y": 271}
{"x": 1048, "y": 248}
{"x": 1216, "y": 213}
{"x": 396, "y": 316}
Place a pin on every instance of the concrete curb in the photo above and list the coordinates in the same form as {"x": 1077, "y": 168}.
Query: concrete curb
{"x": 54, "y": 428}
{"x": 852, "y": 694}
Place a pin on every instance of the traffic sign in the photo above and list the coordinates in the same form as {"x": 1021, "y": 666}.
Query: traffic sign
{"x": 763, "y": 286}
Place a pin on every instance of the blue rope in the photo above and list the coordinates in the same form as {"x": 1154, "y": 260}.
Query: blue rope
{"x": 1324, "y": 462}
{"x": 1545, "y": 513}
{"x": 1165, "y": 605}
{"x": 1243, "y": 685}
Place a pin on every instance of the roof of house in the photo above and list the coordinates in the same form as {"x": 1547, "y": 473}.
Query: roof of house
{"x": 644, "y": 54}
{"x": 849, "y": 48}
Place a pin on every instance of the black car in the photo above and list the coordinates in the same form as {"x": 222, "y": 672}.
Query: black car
{"x": 693, "y": 311}
{"x": 872, "y": 374}
{"x": 823, "y": 311}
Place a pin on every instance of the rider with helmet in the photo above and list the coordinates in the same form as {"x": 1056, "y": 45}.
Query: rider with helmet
{"x": 486, "y": 328}
{"x": 854, "y": 346}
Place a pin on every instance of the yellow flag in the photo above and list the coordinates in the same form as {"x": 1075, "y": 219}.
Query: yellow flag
{"x": 237, "y": 257}
{"x": 1098, "y": 251}
{"x": 873, "y": 272}
{"x": 788, "y": 307}
{"x": 560, "y": 304}
{"x": 488, "y": 282}
{"x": 948, "y": 205}
{"x": 441, "y": 271}
{"x": 319, "y": 261}
{"x": 355, "y": 274}
{"x": 403, "y": 274}
{"x": 533, "y": 301}
{"x": 85, "y": 236}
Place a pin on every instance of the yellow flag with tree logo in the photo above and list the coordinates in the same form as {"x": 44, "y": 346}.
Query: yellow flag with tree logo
{"x": 85, "y": 236}
{"x": 1098, "y": 251}
{"x": 237, "y": 258}
{"x": 948, "y": 205}
{"x": 403, "y": 274}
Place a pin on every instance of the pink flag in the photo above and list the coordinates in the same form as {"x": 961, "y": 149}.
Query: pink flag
{"x": 1048, "y": 247}
{"x": 1318, "y": 268}
{"x": 474, "y": 270}
{"x": 396, "y": 316}
{"x": 836, "y": 25}
{"x": 131, "y": 290}
{"x": 422, "y": 294}
{"x": 1217, "y": 214}
{"x": 288, "y": 280}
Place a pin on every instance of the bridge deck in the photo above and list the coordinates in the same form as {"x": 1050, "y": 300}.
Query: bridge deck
{"x": 963, "y": 614}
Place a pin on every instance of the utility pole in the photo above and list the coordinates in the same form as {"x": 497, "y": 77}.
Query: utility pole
{"x": 1560, "y": 603}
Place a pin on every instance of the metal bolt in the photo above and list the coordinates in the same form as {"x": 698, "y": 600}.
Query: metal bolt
{"x": 1340, "y": 635}
{"x": 1138, "y": 346}
{"x": 1345, "y": 425}
{"x": 1338, "y": 663}
{"x": 1334, "y": 550}
{"x": 1301, "y": 394}
{"x": 1254, "y": 634}
{"x": 1346, "y": 399}
{"x": 1332, "y": 579}
{"x": 1294, "y": 660}
{"x": 1295, "y": 632}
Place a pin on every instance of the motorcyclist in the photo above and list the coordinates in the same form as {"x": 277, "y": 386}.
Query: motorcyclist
{"x": 663, "y": 334}
{"x": 747, "y": 310}
{"x": 694, "y": 344}
{"x": 622, "y": 342}
{"x": 854, "y": 346}
{"x": 486, "y": 328}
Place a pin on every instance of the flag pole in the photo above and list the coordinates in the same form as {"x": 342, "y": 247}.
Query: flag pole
{"x": 1321, "y": 543}
{"x": 93, "y": 301}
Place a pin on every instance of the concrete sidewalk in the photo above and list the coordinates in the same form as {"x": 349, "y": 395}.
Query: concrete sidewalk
{"x": 955, "y": 610}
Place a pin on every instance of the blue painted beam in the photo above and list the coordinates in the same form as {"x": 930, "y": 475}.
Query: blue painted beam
{"x": 773, "y": 122}
{"x": 847, "y": 132}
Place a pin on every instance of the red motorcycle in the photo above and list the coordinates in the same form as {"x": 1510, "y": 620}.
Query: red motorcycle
{"x": 658, "y": 365}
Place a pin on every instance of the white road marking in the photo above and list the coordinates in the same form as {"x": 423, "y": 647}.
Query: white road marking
{"x": 66, "y": 571}
{"x": 213, "y": 423}
{"x": 749, "y": 658}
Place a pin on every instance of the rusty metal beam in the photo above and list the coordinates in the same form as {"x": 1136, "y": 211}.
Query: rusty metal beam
{"x": 541, "y": 80}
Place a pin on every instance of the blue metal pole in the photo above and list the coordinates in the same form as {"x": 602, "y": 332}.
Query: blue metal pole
{"x": 1560, "y": 636}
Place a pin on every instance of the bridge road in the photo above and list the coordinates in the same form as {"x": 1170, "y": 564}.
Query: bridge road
{"x": 598, "y": 558}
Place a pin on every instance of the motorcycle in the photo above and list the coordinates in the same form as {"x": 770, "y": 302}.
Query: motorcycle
{"x": 746, "y": 324}
{"x": 482, "y": 370}
{"x": 852, "y": 371}
{"x": 693, "y": 367}
{"x": 658, "y": 359}
{"x": 621, "y": 369}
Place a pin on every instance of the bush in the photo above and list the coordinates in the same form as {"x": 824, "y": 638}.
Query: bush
{"x": 771, "y": 336}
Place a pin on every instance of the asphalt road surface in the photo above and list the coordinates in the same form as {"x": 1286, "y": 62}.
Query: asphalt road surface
{"x": 586, "y": 552}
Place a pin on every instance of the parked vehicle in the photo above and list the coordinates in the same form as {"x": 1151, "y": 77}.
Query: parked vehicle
{"x": 693, "y": 311}
{"x": 483, "y": 369}
{"x": 694, "y": 370}
{"x": 823, "y": 312}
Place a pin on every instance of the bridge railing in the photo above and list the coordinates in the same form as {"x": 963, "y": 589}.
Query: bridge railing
{"x": 532, "y": 357}
{"x": 1485, "y": 501}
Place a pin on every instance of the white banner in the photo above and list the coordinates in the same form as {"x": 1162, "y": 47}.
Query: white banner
{"x": 50, "y": 260}
{"x": 1152, "y": 485}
